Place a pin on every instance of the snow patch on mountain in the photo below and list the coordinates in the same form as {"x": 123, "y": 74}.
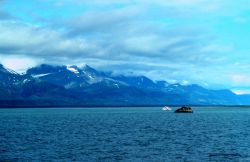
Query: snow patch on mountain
{"x": 41, "y": 75}
{"x": 72, "y": 69}
{"x": 90, "y": 76}
{"x": 117, "y": 85}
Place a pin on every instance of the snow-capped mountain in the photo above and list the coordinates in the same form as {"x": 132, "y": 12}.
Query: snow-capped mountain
{"x": 20, "y": 90}
{"x": 70, "y": 77}
{"x": 51, "y": 85}
{"x": 65, "y": 76}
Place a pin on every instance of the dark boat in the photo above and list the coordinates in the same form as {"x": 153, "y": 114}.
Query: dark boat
{"x": 184, "y": 109}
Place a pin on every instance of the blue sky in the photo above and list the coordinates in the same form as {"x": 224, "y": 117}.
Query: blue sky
{"x": 187, "y": 41}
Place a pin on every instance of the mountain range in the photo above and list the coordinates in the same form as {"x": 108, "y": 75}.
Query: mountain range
{"x": 62, "y": 86}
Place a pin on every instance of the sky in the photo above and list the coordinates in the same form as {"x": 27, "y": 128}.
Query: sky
{"x": 204, "y": 42}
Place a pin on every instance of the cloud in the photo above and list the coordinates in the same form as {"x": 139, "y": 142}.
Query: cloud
{"x": 118, "y": 40}
{"x": 102, "y": 21}
{"x": 193, "y": 6}
{"x": 126, "y": 32}
{"x": 26, "y": 39}
{"x": 241, "y": 91}
{"x": 170, "y": 40}
{"x": 158, "y": 2}
{"x": 5, "y": 15}
{"x": 18, "y": 62}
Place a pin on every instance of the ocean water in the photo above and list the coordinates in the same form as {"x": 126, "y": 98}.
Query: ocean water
{"x": 125, "y": 134}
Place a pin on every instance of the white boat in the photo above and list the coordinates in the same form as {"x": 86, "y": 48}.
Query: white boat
{"x": 166, "y": 108}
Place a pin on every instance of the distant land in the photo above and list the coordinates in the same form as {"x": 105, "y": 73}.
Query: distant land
{"x": 71, "y": 86}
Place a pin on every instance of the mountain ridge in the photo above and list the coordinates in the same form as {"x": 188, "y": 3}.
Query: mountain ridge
{"x": 68, "y": 85}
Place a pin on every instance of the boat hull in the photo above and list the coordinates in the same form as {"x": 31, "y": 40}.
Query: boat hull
{"x": 184, "y": 109}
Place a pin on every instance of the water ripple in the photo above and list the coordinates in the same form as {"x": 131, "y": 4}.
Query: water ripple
{"x": 137, "y": 134}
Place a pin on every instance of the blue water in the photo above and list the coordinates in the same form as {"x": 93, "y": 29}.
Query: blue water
{"x": 124, "y": 134}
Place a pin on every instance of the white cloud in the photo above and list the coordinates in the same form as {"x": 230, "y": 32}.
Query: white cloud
{"x": 18, "y": 63}
{"x": 163, "y": 39}
{"x": 142, "y": 47}
{"x": 240, "y": 79}
{"x": 241, "y": 91}
{"x": 24, "y": 39}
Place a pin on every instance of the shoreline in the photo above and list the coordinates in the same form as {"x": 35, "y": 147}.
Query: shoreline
{"x": 114, "y": 106}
